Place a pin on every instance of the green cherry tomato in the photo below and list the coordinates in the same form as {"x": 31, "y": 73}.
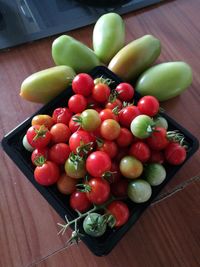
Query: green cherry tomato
{"x": 130, "y": 167}
{"x": 154, "y": 173}
{"x": 94, "y": 224}
{"x": 139, "y": 191}
{"x": 75, "y": 167}
{"x": 165, "y": 80}
{"x": 90, "y": 120}
{"x": 108, "y": 36}
{"x": 161, "y": 122}
{"x": 141, "y": 126}
{"x": 68, "y": 51}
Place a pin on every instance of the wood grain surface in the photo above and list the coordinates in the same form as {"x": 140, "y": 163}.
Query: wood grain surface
{"x": 168, "y": 233}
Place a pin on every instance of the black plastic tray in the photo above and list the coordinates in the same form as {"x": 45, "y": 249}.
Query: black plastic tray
{"x": 12, "y": 144}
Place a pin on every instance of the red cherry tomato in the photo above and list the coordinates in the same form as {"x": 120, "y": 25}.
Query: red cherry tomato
{"x": 98, "y": 163}
{"x": 62, "y": 115}
{"x": 158, "y": 139}
{"x": 125, "y": 91}
{"x": 38, "y": 136}
{"x": 110, "y": 129}
{"x": 99, "y": 191}
{"x": 39, "y": 154}
{"x": 127, "y": 114}
{"x": 107, "y": 113}
{"x": 101, "y": 92}
{"x": 114, "y": 104}
{"x": 120, "y": 212}
{"x": 47, "y": 174}
{"x": 73, "y": 125}
{"x": 79, "y": 138}
{"x": 148, "y": 105}
{"x": 140, "y": 150}
{"x": 77, "y": 103}
{"x": 125, "y": 138}
{"x": 175, "y": 154}
{"x": 79, "y": 201}
{"x": 59, "y": 153}
{"x": 83, "y": 84}
{"x": 60, "y": 133}
{"x": 109, "y": 147}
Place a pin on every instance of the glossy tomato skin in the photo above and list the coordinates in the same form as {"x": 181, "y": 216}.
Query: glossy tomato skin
{"x": 125, "y": 138}
{"x": 109, "y": 147}
{"x": 60, "y": 133}
{"x": 141, "y": 126}
{"x": 125, "y": 91}
{"x": 43, "y": 119}
{"x": 66, "y": 185}
{"x": 140, "y": 150}
{"x": 101, "y": 92}
{"x": 38, "y": 136}
{"x": 78, "y": 139}
{"x": 73, "y": 125}
{"x": 127, "y": 114}
{"x": 59, "y": 153}
{"x": 83, "y": 84}
{"x": 120, "y": 211}
{"x": 99, "y": 190}
{"x": 158, "y": 139}
{"x": 90, "y": 120}
{"x": 107, "y": 113}
{"x": 38, "y": 153}
{"x": 130, "y": 167}
{"x": 175, "y": 154}
{"x": 62, "y": 115}
{"x": 148, "y": 105}
{"x": 76, "y": 169}
{"x": 47, "y": 174}
{"x": 97, "y": 163}
{"x": 77, "y": 103}
{"x": 110, "y": 129}
{"x": 79, "y": 201}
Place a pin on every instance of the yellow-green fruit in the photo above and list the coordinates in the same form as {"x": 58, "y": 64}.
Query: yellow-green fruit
{"x": 135, "y": 57}
{"x": 165, "y": 80}
{"x": 44, "y": 85}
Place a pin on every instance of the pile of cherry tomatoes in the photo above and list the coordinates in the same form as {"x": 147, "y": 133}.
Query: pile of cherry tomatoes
{"x": 102, "y": 147}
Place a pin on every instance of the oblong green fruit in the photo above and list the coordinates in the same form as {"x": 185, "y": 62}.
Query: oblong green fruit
{"x": 68, "y": 51}
{"x": 108, "y": 36}
{"x": 135, "y": 57}
{"x": 44, "y": 85}
{"x": 165, "y": 80}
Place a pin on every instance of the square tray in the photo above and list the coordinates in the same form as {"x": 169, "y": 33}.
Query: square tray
{"x": 12, "y": 144}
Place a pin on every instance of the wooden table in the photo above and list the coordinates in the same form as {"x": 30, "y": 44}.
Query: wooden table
{"x": 168, "y": 233}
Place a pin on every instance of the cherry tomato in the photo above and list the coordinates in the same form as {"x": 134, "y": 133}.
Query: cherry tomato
{"x": 114, "y": 104}
{"x": 141, "y": 126}
{"x": 119, "y": 188}
{"x": 109, "y": 147}
{"x": 79, "y": 201}
{"x": 130, "y": 167}
{"x": 90, "y": 120}
{"x": 158, "y": 139}
{"x": 127, "y": 114}
{"x": 38, "y": 136}
{"x": 77, "y": 103}
{"x": 99, "y": 191}
{"x": 66, "y": 185}
{"x": 125, "y": 91}
{"x": 62, "y": 115}
{"x": 107, "y": 114}
{"x": 148, "y": 105}
{"x": 42, "y": 119}
{"x": 39, "y": 155}
{"x": 98, "y": 163}
{"x": 157, "y": 156}
{"x": 75, "y": 167}
{"x": 59, "y": 153}
{"x": 78, "y": 139}
{"x": 141, "y": 151}
{"x": 73, "y": 125}
{"x": 125, "y": 138}
{"x": 120, "y": 212}
{"x": 60, "y": 133}
{"x": 47, "y": 174}
{"x": 101, "y": 92}
{"x": 175, "y": 154}
{"x": 110, "y": 129}
{"x": 83, "y": 84}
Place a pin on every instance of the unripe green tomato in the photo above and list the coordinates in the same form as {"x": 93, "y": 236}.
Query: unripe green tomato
{"x": 161, "y": 122}
{"x": 94, "y": 224}
{"x": 68, "y": 51}
{"x": 141, "y": 126}
{"x": 108, "y": 36}
{"x": 165, "y": 80}
{"x": 154, "y": 173}
{"x": 90, "y": 120}
{"x": 75, "y": 169}
{"x": 139, "y": 191}
{"x": 130, "y": 167}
